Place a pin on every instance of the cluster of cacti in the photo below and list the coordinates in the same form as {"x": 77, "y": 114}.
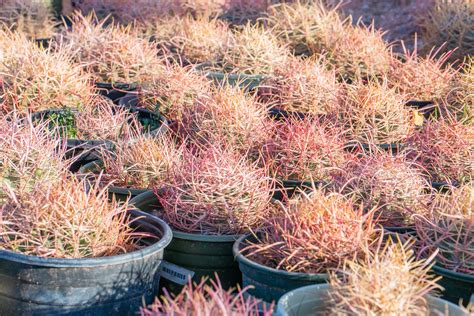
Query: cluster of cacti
{"x": 210, "y": 44}
{"x": 110, "y": 52}
{"x": 286, "y": 123}
{"x": 34, "y": 79}
{"x": 311, "y": 29}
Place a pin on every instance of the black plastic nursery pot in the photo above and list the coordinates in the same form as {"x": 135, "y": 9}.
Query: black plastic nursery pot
{"x": 444, "y": 187}
{"x": 288, "y": 188}
{"x": 457, "y": 286}
{"x": 409, "y": 230}
{"x": 247, "y": 82}
{"x": 130, "y": 100}
{"x": 118, "y": 193}
{"x": 418, "y": 104}
{"x": 115, "y": 91}
{"x": 194, "y": 255}
{"x": 43, "y": 42}
{"x": 313, "y": 300}
{"x": 281, "y": 115}
{"x": 116, "y": 285}
{"x": 85, "y": 151}
{"x": 267, "y": 283}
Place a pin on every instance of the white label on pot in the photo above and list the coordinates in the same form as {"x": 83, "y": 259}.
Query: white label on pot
{"x": 175, "y": 273}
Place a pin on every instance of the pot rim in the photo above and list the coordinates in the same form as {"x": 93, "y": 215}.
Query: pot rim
{"x": 160, "y": 245}
{"x": 244, "y": 260}
{"x": 325, "y": 286}
{"x": 463, "y": 277}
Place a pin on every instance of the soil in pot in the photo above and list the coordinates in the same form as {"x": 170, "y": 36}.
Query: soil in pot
{"x": 312, "y": 300}
{"x": 194, "y": 255}
{"x": 90, "y": 286}
{"x": 267, "y": 283}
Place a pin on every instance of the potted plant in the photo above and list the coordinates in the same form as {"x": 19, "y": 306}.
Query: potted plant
{"x": 254, "y": 51}
{"x": 32, "y": 18}
{"x": 209, "y": 201}
{"x": 253, "y": 54}
{"x": 227, "y": 115}
{"x": 428, "y": 82}
{"x": 225, "y": 57}
{"x": 389, "y": 280}
{"x": 305, "y": 152}
{"x": 454, "y": 18}
{"x": 66, "y": 249}
{"x": 190, "y": 40}
{"x": 445, "y": 149}
{"x": 29, "y": 155}
{"x": 391, "y": 184}
{"x": 34, "y": 79}
{"x": 135, "y": 165}
{"x": 206, "y": 299}
{"x": 241, "y": 12}
{"x": 127, "y": 12}
{"x": 310, "y": 237}
{"x": 463, "y": 106}
{"x": 304, "y": 86}
{"x": 354, "y": 51}
{"x": 170, "y": 90}
{"x": 116, "y": 57}
{"x": 374, "y": 113}
{"x": 304, "y": 26}
{"x": 447, "y": 233}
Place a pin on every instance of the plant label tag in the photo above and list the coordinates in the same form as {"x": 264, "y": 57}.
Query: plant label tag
{"x": 174, "y": 273}
{"x": 419, "y": 118}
